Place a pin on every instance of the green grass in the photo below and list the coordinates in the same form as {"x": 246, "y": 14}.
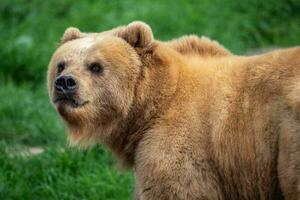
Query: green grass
{"x": 27, "y": 117}
{"x": 29, "y": 31}
{"x": 62, "y": 174}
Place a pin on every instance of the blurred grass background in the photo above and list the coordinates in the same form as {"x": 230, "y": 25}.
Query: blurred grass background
{"x": 29, "y": 31}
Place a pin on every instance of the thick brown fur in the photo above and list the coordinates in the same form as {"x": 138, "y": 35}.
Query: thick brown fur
{"x": 193, "y": 120}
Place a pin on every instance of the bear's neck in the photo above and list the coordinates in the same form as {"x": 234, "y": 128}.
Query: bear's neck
{"x": 154, "y": 93}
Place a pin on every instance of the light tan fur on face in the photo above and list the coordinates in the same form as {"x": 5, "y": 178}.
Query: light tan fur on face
{"x": 193, "y": 120}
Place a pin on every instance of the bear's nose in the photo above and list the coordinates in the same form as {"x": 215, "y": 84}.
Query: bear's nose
{"x": 65, "y": 84}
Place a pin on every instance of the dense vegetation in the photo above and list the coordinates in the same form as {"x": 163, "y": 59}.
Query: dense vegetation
{"x": 29, "y": 31}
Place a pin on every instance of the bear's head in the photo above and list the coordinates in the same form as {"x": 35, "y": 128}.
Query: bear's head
{"x": 112, "y": 87}
{"x": 92, "y": 78}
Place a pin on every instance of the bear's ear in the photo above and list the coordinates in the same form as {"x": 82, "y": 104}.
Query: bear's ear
{"x": 137, "y": 34}
{"x": 70, "y": 33}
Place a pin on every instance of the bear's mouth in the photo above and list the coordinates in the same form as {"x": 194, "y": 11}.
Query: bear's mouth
{"x": 73, "y": 102}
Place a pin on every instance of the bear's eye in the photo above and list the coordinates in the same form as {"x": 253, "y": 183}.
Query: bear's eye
{"x": 95, "y": 68}
{"x": 60, "y": 67}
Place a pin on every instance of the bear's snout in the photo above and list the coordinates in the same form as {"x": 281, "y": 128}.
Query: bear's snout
{"x": 66, "y": 92}
{"x": 66, "y": 85}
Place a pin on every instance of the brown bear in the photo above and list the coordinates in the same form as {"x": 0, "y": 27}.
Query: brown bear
{"x": 190, "y": 118}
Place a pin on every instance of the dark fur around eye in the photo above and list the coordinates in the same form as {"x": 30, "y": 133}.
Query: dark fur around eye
{"x": 60, "y": 67}
{"x": 95, "y": 68}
